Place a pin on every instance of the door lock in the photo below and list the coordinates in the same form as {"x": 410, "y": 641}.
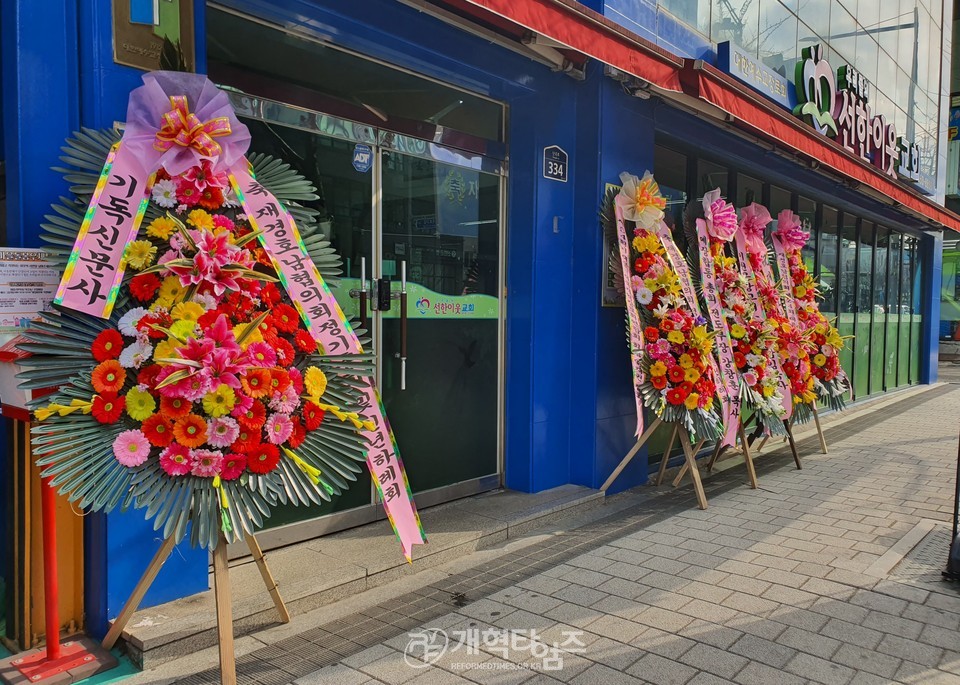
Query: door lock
{"x": 381, "y": 294}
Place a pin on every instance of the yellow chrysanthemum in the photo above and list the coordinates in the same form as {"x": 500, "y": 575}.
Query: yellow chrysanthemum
{"x": 685, "y": 361}
{"x": 188, "y": 311}
{"x": 658, "y": 369}
{"x": 768, "y": 390}
{"x": 170, "y": 290}
{"x": 800, "y": 291}
{"x": 161, "y": 227}
{"x": 200, "y": 219}
{"x": 184, "y": 329}
{"x": 220, "y": 401}
{"x": 140, "y": 254}
{"x": 165, "y": 349}
{"x": 693, "y": 399}
{"x": 691, "y": 375}
{"x": 676, "y": 337}
{"x": 255, "y": 336}
{"x": 314, "y": 381}
{"x": 820, "y": 360}
{"x": 140, "y": 405}
{"x": 737, "y": 331}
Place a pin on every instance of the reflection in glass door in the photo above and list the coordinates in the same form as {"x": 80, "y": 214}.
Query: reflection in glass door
{"x": 440, "y": 241}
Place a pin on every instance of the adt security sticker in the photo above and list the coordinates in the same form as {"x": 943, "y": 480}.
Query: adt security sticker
{"x": 362, "y": 158}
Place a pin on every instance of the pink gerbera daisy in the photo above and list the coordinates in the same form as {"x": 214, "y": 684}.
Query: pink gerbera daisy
{"x": 131, "y": 448}
{"x": 296, "y": 379}
{"x": 262, "y": 354}
{"x": 286, "y": 401}
{"x": 278, "y": 428}
{"x": 222, "y": 431}
{"x": 233, "y": 466}
{"x": 175, "y": 460}
{"x": 205, "y": 463}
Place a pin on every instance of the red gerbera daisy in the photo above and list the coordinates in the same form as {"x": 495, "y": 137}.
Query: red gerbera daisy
{"x": 107, "y": 345}
{"x": 108, "y": 376}
{"x": 312, "y": 416}
{"x": 284, "y": 350}
{"x": 263, "y": 459}
{"x": 247, "y": 439}
{"x": 651, "y": 333}
{"x": 108, "y": 406}
{"x": 305, "y": 342}
{"x": 659, "y": 382}
{"x": 148, "y": 376}
{"x": 256, "y": 382}
{"x": 285, "y": 318}
{"x": 253, "y": 417}
{"x": 299, "y": 434}
{"x": 270, "y": 295}
{"x": 175, "y": 407}
{"x": 676, "y": 396}
{"x": 144, "y": 286}
{"x": 158, "y": 429}
{"x": 211, "y": 198}
{"x": 676, "y": 374}
{"x": 233, "y": 466}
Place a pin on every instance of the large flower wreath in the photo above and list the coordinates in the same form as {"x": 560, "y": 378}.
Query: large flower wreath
{"x": 823, "y": 339}
{"x": 679, "y": 383}
{"x": 792, "y": 343}
{"x": 202, "y": 398}
{"x": 752, "y": 336}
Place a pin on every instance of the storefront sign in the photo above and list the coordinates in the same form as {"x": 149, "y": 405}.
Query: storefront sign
{"x": 142, "y": 29}
{"x": 954, "y": 130}
{"x": 838, "y": 107}
{"x": 362, "y": 157}
{"x": 555, "y": 163}
{"x": 735, "y": 61}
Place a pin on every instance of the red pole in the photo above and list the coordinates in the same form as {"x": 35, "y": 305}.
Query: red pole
{"x": 48, "y": 501}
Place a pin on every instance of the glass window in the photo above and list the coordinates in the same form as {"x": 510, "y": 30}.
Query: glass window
{"x": 710, "y": 176}
{"x": 779, "y": 200}
{"x": 670, "y": 169}
{"x": 847, "y": 290}
{"x": 890, "y": 20}
{"x": 843, "y": 34}
{"x": 816, "y": 15}
{"x": 749, "y": 190}
{"x": 777, "y": 41}
{"x": 807, "y": 211}
{"x": 878, "y": 327}
{"x": 906, "y": 298}
{"x": 864, "y": 306}
{"x": 695, "y": 13}
{"x": 827, "y": 259}
{"x": 867, "y": 54}
{"x": 916, "y": 317}
{"x": 736, "y": 21}
{"x": 893, "y": 312}
{"x": 926, "y": 33}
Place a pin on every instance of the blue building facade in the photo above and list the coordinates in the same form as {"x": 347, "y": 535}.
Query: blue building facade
{"x": 458, "y": 108}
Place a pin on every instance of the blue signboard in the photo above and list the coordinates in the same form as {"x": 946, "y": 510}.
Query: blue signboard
{"x": 555, "y": 163}
{"x": 362, "y": 158}
{"x": 737, "y": 62}
{"x": 954, "y": 131}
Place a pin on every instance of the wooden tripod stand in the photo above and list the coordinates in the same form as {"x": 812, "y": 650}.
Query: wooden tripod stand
{"x": 221, "y": 589}
{"x": 690, "y": 454}
{"x": 816, "y": 420}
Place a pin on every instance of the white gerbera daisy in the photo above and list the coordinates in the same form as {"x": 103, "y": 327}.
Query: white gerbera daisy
{"x": 165, "y": 193}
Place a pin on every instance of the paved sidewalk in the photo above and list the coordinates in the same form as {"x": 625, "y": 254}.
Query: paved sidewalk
{"x": 787, "y": 584}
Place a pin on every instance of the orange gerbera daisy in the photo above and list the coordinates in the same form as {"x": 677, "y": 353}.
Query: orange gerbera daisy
{"x": 257, "y": 382}
{"x": 190, "y": 431}
{"x": 175, "y": 407}
{"x": 158, "y": 430}
{"x": 108, "y": 376}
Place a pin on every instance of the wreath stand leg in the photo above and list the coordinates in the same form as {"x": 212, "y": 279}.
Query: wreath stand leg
{"x": 666, "y": 454}
{"x": 748, "y": 460}
{"x": 631, "y": 454}
{"x": 221, "y": 590}
{"x": 691, "y": 464}
{"x": 793, "y": 445}
{"x": 816, "y": 420}
{"x": 717, "y": 450}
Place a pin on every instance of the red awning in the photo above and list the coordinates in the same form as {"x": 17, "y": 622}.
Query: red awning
{"x": 573, "y": 25}
{"x": 765, "y": 119}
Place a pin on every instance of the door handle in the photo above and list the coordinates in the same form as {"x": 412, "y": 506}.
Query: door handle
{"x": 363, "y": 293}
{"x": 403, "y": 325}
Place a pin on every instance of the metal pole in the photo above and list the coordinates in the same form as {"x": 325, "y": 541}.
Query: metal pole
{"x": 51, "y": 591}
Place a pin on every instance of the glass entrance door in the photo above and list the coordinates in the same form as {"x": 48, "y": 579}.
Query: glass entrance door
{"x": 439, "y": 241}
{"x": 425, "y": 221}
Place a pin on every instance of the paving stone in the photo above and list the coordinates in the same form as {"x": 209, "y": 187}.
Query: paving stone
{"x": 715, "y": 613}
{"x": 712, "y": 660}
{"x": 879, "y": 602}
{"x": 842, "y": 610}
{"x": 910, "y": 672}
{"x": 811, "y": 643}
{"x": 902, "y": 590}
{"x": 799, "y": 618}
{"x": 886, "y": 623}
{"x": 750, "y": 604}
{"x": 616, "y": 628}
{"x": 758, "y": 649}
{"x": 663, "y": 643}
{"x": 820, "y": 670}
{"x": 939, "y": 637}
{"x": 911, "y": 650}
{"x": 790, "y": 596}
{"x": 828, "y": 588}
{"x": 663, "y": 619}
{"x": 334, "y": 675}
{"x": 867, "y": 660}
{"x": 760, "y": 674}
{"x": 933, "y": 616}
{"x": 655, "y": 669}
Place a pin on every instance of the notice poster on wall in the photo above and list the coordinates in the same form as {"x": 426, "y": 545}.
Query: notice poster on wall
{"x": 28, "y": 284}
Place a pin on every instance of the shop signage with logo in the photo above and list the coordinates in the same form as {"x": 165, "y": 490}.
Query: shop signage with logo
{"x": 737, "y": 62}
{"x": 838, "y": 107}
{"x": 362, "y": 157}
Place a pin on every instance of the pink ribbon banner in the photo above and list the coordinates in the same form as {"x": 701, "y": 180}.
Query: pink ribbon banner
{"x": 729, "y": 376}
{"x": 786, "y": 283}
{"x": 93, "y": 274}
{"x": 326, "y": 323}
{"x": 633, "y": 315}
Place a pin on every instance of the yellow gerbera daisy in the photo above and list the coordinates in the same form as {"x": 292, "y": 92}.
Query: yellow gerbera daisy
{"x": 140, "y": 405}
{"x": 188, "y": 311}
{"x": 140, "y": 254}
{"x": 314, "y": 381}
{"x": 200, "y": 219}
{"x": 170, "y": 290}
{"x": 220, "y": 401}
{"x": 161, "y": 227}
